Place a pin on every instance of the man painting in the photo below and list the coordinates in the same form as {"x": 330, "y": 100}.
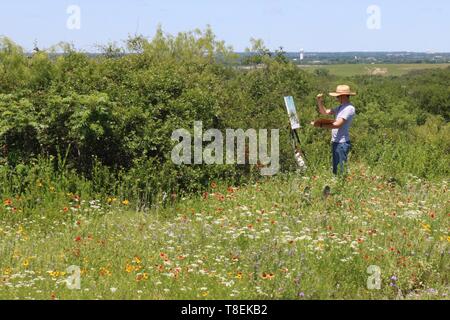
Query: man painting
{"x": 340, "y": 128}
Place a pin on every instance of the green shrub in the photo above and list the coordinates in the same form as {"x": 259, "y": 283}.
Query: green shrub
{"x": 110, "y": 117}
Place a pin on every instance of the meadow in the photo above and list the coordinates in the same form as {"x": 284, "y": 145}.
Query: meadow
{"x": 87, "y": 183}
{"x": 349, "y": 70}
{"x": 275, "y": 239}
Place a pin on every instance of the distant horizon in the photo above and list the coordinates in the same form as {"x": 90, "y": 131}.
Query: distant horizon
{"x": 97, "y": 45}
{"x": 274, "y": 50}
{"x": 271, "y": 50}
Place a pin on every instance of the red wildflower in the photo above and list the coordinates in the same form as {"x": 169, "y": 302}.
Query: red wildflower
{"x": 164, "y": 256}
{"x": 268, "y": 276}
{"x": 220, "y": 197}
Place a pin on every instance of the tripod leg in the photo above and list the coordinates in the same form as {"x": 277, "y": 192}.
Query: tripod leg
{"x": 299, "y": 156}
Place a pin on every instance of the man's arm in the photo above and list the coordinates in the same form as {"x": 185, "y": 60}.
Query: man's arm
{"x": 329, "y": 125}
{"x": 335, "y": 125}
{"x": 322, "y": 108}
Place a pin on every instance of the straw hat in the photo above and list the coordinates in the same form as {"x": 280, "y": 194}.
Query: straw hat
{"x": 342, "y": 90}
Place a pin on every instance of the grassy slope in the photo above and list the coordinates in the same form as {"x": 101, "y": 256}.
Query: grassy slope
{"x": 347, "y": 70}
{"x": 270, "y": 240}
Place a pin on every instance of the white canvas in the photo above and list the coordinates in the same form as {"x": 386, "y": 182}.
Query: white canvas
{"x": 292, "y": 112}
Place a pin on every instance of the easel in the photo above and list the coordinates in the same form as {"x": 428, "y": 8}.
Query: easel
{"x": 294, "y": 125}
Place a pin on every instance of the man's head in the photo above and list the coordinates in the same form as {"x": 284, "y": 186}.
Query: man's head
{"x": 342, "y": 93}
{"x": 343, "y": 99}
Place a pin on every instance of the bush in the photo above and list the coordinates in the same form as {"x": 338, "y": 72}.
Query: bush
{"x": 111, "y": 117}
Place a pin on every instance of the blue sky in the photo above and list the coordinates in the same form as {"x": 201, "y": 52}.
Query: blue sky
{"x": 314, "y": 25}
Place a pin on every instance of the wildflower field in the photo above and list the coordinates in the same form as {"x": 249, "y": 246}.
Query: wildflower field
{"x": 276, "y": 239}
{"x": 89, "y": 191}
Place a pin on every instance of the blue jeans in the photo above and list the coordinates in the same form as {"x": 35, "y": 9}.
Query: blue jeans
{"x": 340, "y": 153}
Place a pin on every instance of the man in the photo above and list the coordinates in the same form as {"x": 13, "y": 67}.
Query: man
{"x": 340, "y": 136}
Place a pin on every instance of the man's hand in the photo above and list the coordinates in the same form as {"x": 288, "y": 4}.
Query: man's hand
{"x": 321, "y": 106}
{"x": 320, "y": 98}
{"x": 315, "y": 124}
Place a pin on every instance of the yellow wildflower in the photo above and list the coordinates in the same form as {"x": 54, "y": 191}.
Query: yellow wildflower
{"x": 426, "y": 227}
{"x": 20, "y": 230}
{"x": 54, "y": 274}
{"x": 105, "y": 272}
{"x": 141, "y": 277}
{"x": 129, "y": 268}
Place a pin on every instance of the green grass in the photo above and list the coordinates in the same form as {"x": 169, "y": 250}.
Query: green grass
{"x": 348, "y": 70}
{"x": 278, "y": 239}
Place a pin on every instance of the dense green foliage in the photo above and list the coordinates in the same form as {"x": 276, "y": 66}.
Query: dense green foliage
{"x": 110, "y": 117}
